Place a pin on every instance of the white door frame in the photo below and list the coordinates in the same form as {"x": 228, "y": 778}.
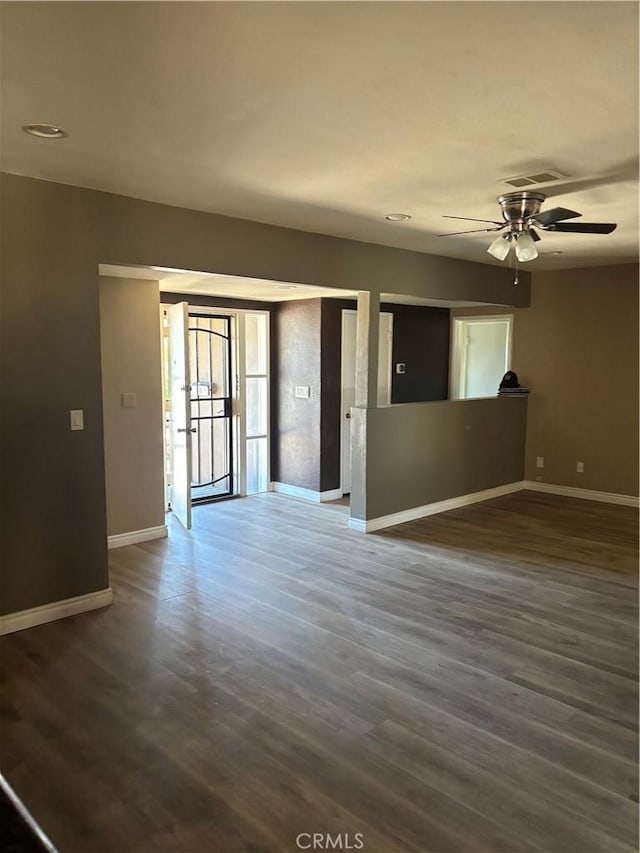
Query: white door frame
{"x": 459, "y": 348}
{"x": 180, "y": 425}
{"x": 239, "y": 374}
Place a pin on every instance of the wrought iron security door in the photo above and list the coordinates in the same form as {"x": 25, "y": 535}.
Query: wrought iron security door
{"x": 211, "y": 406}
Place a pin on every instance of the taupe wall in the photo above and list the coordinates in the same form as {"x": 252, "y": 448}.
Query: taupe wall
{"x": 576, "y": 347}
{"x": 421, "y": 453}
{"x": 53, "y": 238}
{"x": 133, "y": 447}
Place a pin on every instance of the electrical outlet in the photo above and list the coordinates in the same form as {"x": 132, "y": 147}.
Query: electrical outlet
{"x": 538, "y": 479}
{"x": 580, "y": 467}
{"x": 539, "y": 461}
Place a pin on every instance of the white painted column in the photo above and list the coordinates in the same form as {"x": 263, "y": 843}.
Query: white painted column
{"x": 367, "y": 346}
{"x": 366, "y": 397}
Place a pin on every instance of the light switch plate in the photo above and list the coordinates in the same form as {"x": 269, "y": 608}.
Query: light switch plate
{"x": 76, "y": 419}
{"x": 129, "y": 400}
{"x": 303, "y": 391}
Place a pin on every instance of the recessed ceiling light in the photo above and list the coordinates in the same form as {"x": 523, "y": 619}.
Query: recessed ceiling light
{"x": 556, "y": 253}
{"x": 45, "y": 131}
{"x": 286, "y": 286}
{"x": 397, "y": 217}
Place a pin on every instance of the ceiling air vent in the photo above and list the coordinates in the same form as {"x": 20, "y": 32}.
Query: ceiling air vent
{"x": 543, "y": 177}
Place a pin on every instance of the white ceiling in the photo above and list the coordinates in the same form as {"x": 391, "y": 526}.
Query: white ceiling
{"x": 326, "y": 116}
{"x": 229, "y": 286}
{"x": 261, "y": 290}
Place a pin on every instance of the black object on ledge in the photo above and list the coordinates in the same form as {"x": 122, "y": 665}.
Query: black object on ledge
{"x": 510, "y": 387}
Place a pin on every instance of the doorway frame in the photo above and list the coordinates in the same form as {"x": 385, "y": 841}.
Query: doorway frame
{"x": 232, "y": 475}
{"x": 238, "y": 388}
{"x": 457, "y": 371}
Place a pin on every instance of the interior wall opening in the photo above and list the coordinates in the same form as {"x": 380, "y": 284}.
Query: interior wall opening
{"x": 481, "y": 355}
{"x": 252, "y": 388}
{"x": 216, "y": 404}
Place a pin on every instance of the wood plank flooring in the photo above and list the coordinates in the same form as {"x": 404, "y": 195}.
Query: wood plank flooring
{"x": 466, "y": 683}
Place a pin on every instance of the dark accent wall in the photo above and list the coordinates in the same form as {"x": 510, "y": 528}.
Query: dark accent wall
{"x": 331, "y": 390}
{"x": 421, "y": 341}
{"x": 296, "y": 453}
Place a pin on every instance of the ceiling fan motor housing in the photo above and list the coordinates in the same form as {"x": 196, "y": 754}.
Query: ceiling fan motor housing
{"x": 518, "y": 209}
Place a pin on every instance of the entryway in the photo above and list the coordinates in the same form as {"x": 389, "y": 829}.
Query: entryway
{"x": 216, "y": 396}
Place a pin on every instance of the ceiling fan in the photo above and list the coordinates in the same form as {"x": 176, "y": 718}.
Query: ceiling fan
{"x": 521, "y": 212}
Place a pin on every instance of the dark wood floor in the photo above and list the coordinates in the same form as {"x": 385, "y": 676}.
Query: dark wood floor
{"x": 462, "y": 683}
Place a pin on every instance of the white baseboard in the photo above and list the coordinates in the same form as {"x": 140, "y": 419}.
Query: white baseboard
{"x": 119, "y": 540}
{"x": 412, "y": 514}
{"x": 330, "y": 495}
{"x": 583, "y": 494}
{"x": 306, "y": 494}
{"x": 22, "y": 619}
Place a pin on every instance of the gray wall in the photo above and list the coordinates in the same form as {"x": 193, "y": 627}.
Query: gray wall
{"x": 133, "y": 441}
{"x": 53, "y": 238}
{"x": 421, "y": 453}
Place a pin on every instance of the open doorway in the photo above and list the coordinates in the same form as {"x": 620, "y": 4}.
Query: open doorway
{"x": 211, "y": 406}
{"x": 216, "y": 404}
{"x": 258, "y": 430}
{"x": 481, "y": 355}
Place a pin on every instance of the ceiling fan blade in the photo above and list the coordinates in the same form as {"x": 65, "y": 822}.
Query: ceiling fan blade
{"x": 584, "y": 227}
{"x": 535, "y": 235}
{"x": 473, "y": 231}
{"x": 471, "y": 219}
{"x": 547, "y": 217}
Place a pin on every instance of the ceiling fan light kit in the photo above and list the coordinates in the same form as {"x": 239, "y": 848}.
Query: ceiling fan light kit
{"x": 500, "y": 247}
{"x": 525, "y": 247}
{"x": 521, "y": 212}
